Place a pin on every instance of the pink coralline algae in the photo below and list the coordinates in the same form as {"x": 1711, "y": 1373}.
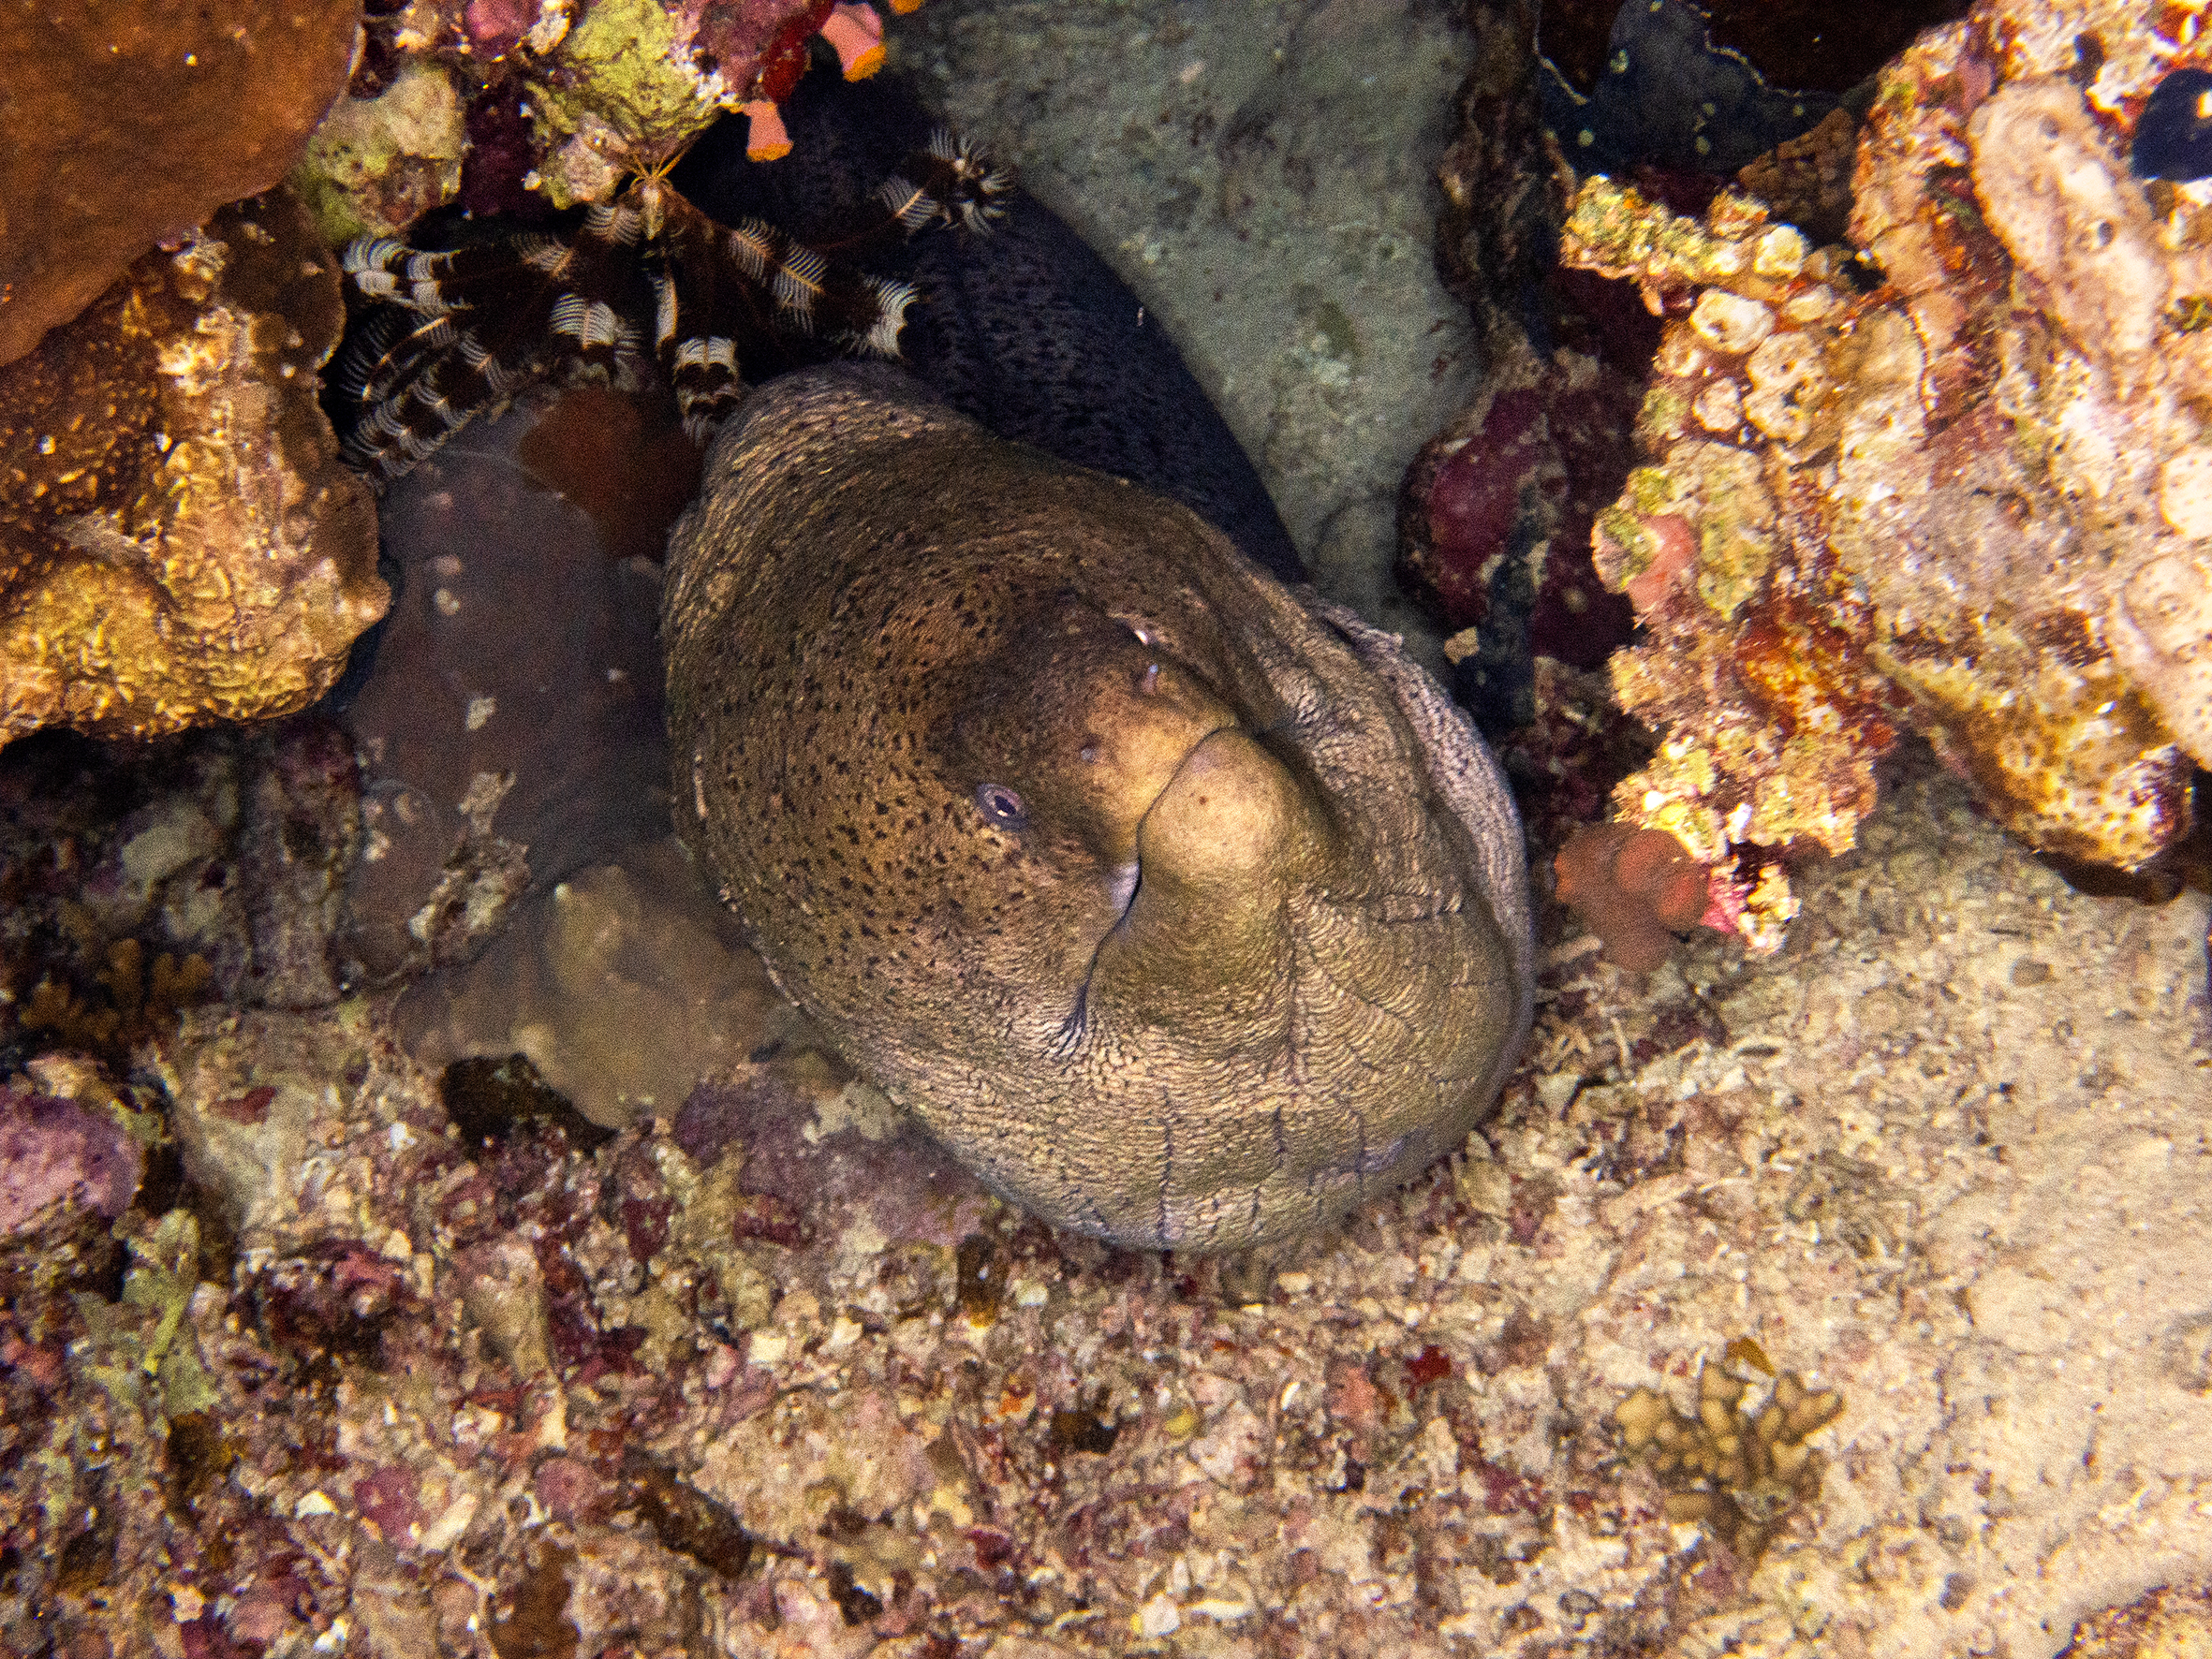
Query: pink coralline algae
{"x": 1974, "y": 503}
{"x": 57, "y": 1152}
{"x": 1499, "y": 506}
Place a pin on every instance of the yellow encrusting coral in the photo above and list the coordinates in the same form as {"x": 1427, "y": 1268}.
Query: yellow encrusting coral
{"x": 179, "y": 541}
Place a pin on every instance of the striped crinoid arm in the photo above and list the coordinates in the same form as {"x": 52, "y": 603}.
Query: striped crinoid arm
{"x": 458, "y": 331}
{"x": 949, "y": 182}
{"x": 461, "y": 331}
{"x": 725, "y": 295}
{"x": 721, "y": 289}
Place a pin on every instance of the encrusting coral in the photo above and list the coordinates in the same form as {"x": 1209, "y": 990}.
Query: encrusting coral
{"x": 179, "y": 541}
{"x": 1973, "y": 503}
{"x": 1636, "y": 889}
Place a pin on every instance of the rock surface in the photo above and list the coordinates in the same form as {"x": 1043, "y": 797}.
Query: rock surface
{"x": 1968, "y": 504}
{"x": 1263, "y": 181}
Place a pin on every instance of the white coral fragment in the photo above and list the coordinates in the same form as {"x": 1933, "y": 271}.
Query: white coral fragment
{"x": 1730, "y": 322}
{"x": 2066, "y": 209}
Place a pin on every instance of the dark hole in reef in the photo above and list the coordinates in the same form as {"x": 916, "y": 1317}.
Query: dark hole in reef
{"x": 857, "y": 1605}
{"x": 980, "y": 1276}
{"x": 1806, "y": 45}
{"x": 104, "y": 1277}
{"x": 163, "y": 1182}
{"x": 535, "y": 1624}
{"x": 198, "y": 1457}
{"x": 2171, "y": 141}
{"x": 487, "y": 1099}
{"x": 1084, "y": 1432}
{"x": 87, "y": 1560}
{"x": 1815, "y": 45}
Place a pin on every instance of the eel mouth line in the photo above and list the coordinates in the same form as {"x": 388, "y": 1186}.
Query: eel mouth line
{"x": 1127, "y": 882}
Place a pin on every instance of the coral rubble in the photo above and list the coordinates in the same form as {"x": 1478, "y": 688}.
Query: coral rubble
{"x": 1971, "y": 503}
{"x": 179, "y": 541}
{"x": 375, "y": 1353}
{"x": 129, "y": 123}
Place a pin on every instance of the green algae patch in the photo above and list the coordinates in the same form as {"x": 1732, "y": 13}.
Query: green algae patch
{"x": 140, "y": 1352}
{"x": 622, "y": 81}
{"x": 375, "y": 164}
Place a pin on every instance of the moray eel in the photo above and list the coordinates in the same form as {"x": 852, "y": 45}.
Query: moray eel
{"x": 1176, "y": 901}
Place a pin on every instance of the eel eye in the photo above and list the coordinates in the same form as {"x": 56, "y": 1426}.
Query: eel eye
{"x": 1001, "y": 806}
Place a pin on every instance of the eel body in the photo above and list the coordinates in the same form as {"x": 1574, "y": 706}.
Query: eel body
{"x": 1176, "y": 901}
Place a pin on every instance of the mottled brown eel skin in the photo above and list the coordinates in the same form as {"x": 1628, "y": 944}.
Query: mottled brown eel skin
{"x": 1175, "y": 901}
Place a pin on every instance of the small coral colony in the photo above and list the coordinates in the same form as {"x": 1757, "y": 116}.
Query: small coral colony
{"x": 459, "y": 331}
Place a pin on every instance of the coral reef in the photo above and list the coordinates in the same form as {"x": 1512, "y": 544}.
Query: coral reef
{"x": 1964, "y": 504}
{"x": 178, "y": 542}
{"x": 58, "y": 1154}
{"x": 135, "y": 882}
{"x": 384, "y": 1355}
{"x": 377, "y": 164}
{"x": 129, "y": 125}
{"x": 137, "y": 998}
{"x": 1494, "y": 514}
{"x": 506, "y": 104}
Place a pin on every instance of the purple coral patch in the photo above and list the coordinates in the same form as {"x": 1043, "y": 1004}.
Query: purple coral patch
{"x": 53, "y": 1151}
{"x": 1517, "y": 483}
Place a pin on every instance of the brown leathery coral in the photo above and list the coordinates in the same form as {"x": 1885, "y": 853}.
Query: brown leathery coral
{"x": 127, "y": 124}
{"x": 1968, "y": 504}
{"x": 178, "y": 542}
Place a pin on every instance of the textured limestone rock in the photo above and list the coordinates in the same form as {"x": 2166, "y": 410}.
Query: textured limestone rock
{"x": 178, "y": 542}
{"x": 624, "y": 985}
{"x": 129, "y": 123}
